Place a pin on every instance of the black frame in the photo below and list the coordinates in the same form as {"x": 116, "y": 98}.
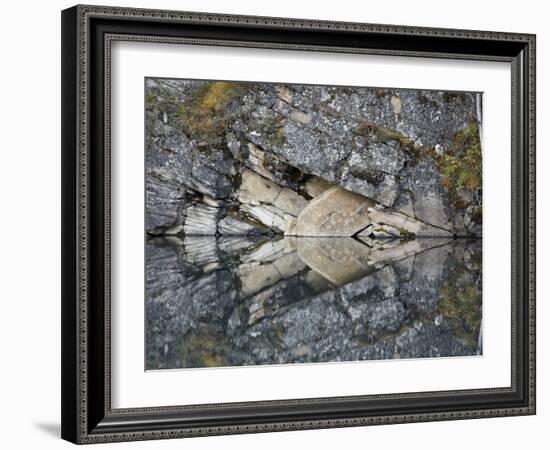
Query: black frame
{"x": 87, "y": 32}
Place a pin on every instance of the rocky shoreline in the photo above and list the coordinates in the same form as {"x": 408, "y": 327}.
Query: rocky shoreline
{"x": 236, "y": 300}
{"x": 294, "y": 223}
{"x": 225, "y": 158}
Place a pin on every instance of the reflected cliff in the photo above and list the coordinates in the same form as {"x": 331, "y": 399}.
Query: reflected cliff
{"x": 235, "y": 301}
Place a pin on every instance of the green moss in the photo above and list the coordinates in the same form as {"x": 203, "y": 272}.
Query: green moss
{"x": 163, "y": 101}
{"x": 463, "y": 308}
{"x": 406, "y": 234}
{"x": 385, "y": 135}
{"x": 205, "y": 117}
{"x": 460, "y": 167}
{"x": 449, "y": 97}
{"x": 203, "y": 348}
{"x": 477, "y": 215}
{"x": 150, "y": 102}
{"x": 460, "y": 303}
{"x": 382, "y": 134}
{"x": 279, "y": 137}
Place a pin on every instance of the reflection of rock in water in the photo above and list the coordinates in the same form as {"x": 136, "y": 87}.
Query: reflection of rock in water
{"x": 254, "y": 300}
{"x": 230, "y": 165}
{"x": 339, "y": 260}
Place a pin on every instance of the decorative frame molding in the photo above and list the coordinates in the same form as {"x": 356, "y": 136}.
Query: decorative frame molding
{"x": 87, "y": 34}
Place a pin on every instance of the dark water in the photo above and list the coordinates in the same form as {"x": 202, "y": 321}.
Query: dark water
{"x": 237, "y": 301}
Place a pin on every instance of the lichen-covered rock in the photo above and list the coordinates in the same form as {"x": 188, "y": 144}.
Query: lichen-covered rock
{"x": 264, "y": 152}
{"x": 402, "y": 224}
{"x": 335, "y": 212}
{"x": 429, "y": 200}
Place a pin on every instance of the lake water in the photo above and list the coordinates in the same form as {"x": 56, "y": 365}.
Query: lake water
{"x": 236, "y": 301}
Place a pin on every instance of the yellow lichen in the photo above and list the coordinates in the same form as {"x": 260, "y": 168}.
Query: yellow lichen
{"x": 382, "y": 134}
{"x": 205, "y": 116}
{"x": 460, "y": 167}
{"x": 203, "y": 349}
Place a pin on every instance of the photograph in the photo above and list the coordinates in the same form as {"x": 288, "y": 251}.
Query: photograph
{"x": 282, "y": 225}
{"x": 292, "y": 223}
{"x": 293, "y": 218}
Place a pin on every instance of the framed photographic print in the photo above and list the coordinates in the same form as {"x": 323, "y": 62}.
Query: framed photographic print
{"x": 278, "y": 224}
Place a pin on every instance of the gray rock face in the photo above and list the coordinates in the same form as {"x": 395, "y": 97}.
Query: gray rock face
{"x": 429, "y": 200}
{"x": 262, "y": 152}
{"x": 232, "y": 226}
{"x": 369, "y": 187}
{"x": 387, "y": 220}
{"x": 268, "y": 203}
{"x": 201, "y": 220}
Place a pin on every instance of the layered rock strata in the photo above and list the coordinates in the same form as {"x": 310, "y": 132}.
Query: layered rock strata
{"x": 226, "y": 158}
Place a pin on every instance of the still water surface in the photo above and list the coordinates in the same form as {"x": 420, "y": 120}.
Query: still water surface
{"x": 236, "y": 301}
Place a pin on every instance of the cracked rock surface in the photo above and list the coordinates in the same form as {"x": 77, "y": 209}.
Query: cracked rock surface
{"x": 297, "y": 224}
{"x": 261, "y": 153}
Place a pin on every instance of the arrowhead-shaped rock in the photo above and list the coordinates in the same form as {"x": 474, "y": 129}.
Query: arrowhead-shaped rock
{"x": 336, "y": 212}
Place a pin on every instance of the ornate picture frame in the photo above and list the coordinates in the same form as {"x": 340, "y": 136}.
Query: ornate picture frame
{"x": 88, "y": 33}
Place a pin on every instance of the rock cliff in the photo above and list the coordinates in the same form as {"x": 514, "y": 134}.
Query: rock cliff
{"x": 226, "y": 158}
{"x": 237, "y": 300}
